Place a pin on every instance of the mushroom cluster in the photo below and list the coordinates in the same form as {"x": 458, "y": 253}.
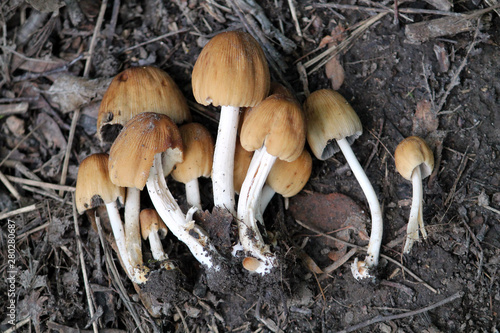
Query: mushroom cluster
{"x": 254, "y": 156}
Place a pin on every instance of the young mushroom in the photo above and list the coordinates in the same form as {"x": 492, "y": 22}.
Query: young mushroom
{"x": 136, "y": 161}
{"x": 332, "y": 124}
{"x": 414, "y": 161}
{"x": 154, "y": 229}
{"x": 93, "y": 187}
{"x": 232, "y": 72}
{"x": 198, "y": 158}
{"x": 274, "y": 129}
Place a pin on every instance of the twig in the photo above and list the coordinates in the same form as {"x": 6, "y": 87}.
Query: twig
{"x": 179, "y": 312}
{"x": 67, "y": 154}
{"x": 20, "y": 142}
{"x": 18, "y": 325}
{"x": 19, "y": 108}
{"x": 41, "y": 184}
{"x": 379, "y": 318}
{"x": 172, "y": 33}
{"x": 9, "y": 186}
{"x": 378, "y": 140}
{"x": 94, "y": 38}
{"x": 383, "y": 10}
{"x": 337, "y": 264}
{"x": 32, "y": 231}
{"x": 375, "y": 146}
{"x": 461, "y": 169}
{"x": 84, "y": 269}
{"x": 294, "y": 17}
{"x": 22, "y": 210}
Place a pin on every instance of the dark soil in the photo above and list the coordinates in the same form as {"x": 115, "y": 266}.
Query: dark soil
{"x": 445, "y": 89}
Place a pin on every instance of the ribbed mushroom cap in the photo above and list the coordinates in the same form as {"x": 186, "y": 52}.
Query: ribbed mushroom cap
{"x": 132, "y": 154}
{"x": 278, "y": 123}
{"x": 198, "y": 153}
{"x": 242, "y": 159}
{"x": 411, "y": 153}
{"x": 137, "y": 90}
{"x": 93, "y": 185}
{"x": 289, "y": 178}
{"x": 151, "y": 222}
{"x": 329, "y": 117}
{"x": 231, "y": 70}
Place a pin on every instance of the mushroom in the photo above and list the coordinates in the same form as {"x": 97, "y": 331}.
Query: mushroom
{"x": 136, "y": 90}
{"x": 285, "y": 178}
{"x": 154, "y": 229}
{"x": 198, "y": 158}
{"x": 231, "y": 71}
{"x": 414, "y": 161}
{"x": 242, "y": 159}
{"x": 332, "y": 124}
{"x": 274, "y": 128}
{"x": 136, "y": 161}
{"x": 93, "y": 187}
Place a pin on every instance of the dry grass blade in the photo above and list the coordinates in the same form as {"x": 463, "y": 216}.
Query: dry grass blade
{"x": 67, "y": 154}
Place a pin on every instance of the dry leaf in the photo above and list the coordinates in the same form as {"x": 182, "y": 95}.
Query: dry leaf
{"x": 425, "y": 120}
{"x": 335, "y": 72}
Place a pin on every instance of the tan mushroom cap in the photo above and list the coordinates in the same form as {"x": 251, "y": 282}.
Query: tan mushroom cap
{"x": 132, "y": 154}
{"x": 411, "y": 153}
{"x": 231, "y": 70}
{"x": 242, "y": 159}
{"x": 329, "y": 117}
{"x": 93, "y": 183}
{"x": 278, "y": 123}
{"x": 289, "y": 178}
{"x": 152, "y": 222}
{"x": 137, "y": 90}
{"x": 198, "y": 153}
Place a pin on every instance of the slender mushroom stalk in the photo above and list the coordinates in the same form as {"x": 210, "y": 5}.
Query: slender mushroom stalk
{"x": 231, "y": 71}
{"x": 136, "y": 161}
{"x": 332, "y": 124}
{"x": 414, "y": 161}
{"x": 154, "y": 229}
{"x": 198, "y": 158}
{"x": 92, "y": 186}
{"x": 275, "y": 128}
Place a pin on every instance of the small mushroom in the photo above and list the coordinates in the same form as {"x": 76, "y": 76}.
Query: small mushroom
{"x": 198, "y": 158}
{"x": 93, "y": 187}
{"x": 153, "y": 228}
{"x": 274, "y": 129}
{"x": 136, "y": 161}
{"x": 231, "y": 71}
{"x": 414, "y": 161}
{"x": 332, "y": 124}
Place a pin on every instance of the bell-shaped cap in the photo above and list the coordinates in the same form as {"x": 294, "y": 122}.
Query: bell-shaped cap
{"x": 278, "y": 123}
{"x": 231, "y": 70}
{"x": 132, "y": 154}
{"x": 289, "y": 178}
{"x": 137, "y": 90}
{"x": 198, "y": 153}
{"x": 329, "y": 117}
{"x": 411, "y": 153}
{"x": 152, "y": 222}
{"x": 93, "y": 186}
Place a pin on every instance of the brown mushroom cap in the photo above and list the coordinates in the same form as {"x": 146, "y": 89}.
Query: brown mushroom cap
{"x": 132, "y": 154}
{"x": 231, "y": 70}
{"x": 289, "y": 178}
{"x": 278, "y": 123}
{"x": 329, "y": 117}
{"x": 411, "y": 153}
{"x": 198, "y": 153}
{"x": 137, "y": 90}
{"x": 242, "y": 159}
{"x": 152, "y": 222}
{"x": 93, "y": 184}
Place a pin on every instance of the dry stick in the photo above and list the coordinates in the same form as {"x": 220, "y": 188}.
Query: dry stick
{"x": 67, "y": 154}
{"x": 152, "y": 40}
{"x": 116, "y": 277}
{"x": 375, "y": 146}
{"x": 84, "y": 269}
{"x": 94, "y": 37}
{"x": 41, "y": 184}
{"x": 9, "y": 186}
{"x": 294, "y": 17}
{"x": 461, "y": 169}
{"x": 337, "y": 264}
{"x": 179, "y": 312}
{"x": 32, "y": 231}
{"x": 425, "y": 284}
{"x": 18, "y": 325}
{"x": 22, "y": 210}
{"x": 18, "y": 108}
{"x": 383, "y": 10}
{"x": 21, "y": 142}
{"x": 380, "y": 318}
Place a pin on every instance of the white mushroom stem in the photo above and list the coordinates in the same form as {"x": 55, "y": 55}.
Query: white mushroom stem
{"x": 373, "y": 251}
{"x": 183, "y": 228}
{"x": 265, "y": 198}
{"x": 135, "y": 273}
{"x": 249, "y": 201}
{"x": 193, "y": 193}
{"x": 156, "y": 246}
{"x": 223, "y": 164}
{"x": 416, "y": 218}
{"x": 132, "y": 226}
